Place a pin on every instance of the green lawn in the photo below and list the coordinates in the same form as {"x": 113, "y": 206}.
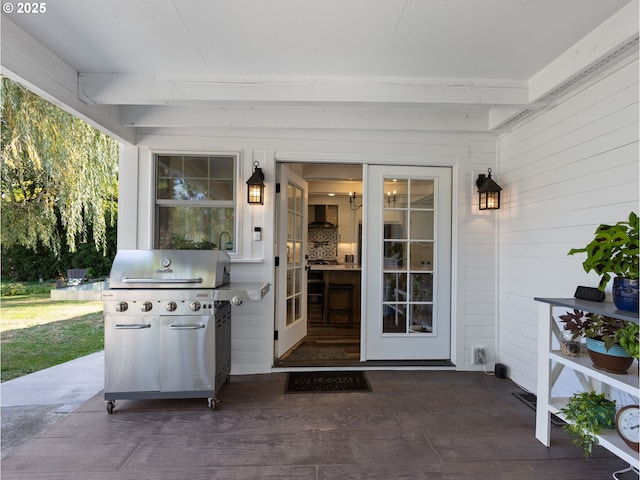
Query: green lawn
{"x": 37, "y": 333}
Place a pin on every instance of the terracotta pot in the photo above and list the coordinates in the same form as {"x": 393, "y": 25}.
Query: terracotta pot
{"x": 615, "y": 360}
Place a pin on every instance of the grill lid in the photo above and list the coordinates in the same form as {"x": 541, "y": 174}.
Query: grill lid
{"x": 170, "y": 269}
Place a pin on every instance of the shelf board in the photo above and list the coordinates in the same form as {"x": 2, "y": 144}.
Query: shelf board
{"x": 628, "y": 383}
{"x": 601, "y": 308}
{"x": 608, "y": 439}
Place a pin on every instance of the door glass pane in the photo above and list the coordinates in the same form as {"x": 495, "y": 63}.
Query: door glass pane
{"x": 421, "y": 224}
{"x": 395, "y": 191}
{"x": 422, "y": 318}
{"x": 421, "y": 257}
{"x": 422, "y": 193}
{"x": 294, "y": 253}
{"x": 408, "y": 246}
{"x": 290, "y": 282}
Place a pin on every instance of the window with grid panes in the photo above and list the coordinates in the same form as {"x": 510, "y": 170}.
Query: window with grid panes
{"x": 195, "y": 202}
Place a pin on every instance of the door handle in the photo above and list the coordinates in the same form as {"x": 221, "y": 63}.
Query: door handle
{"x": 187, "y": 327}
{"x": 134, "y": 326}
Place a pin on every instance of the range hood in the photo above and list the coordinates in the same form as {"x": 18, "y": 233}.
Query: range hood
{"x": 320, "y": 217}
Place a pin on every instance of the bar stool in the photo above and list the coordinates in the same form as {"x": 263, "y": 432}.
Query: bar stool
{"x": 315, "y": 297}
{"x": 335, "y": 304}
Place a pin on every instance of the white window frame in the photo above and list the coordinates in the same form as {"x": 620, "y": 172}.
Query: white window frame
{"x": 235, "y": 203}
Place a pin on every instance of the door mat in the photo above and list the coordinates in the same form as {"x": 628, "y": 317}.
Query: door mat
{"x": 318, "y": 353}
{"x": 530, "y": 400}
{"x": 307, "y": 382}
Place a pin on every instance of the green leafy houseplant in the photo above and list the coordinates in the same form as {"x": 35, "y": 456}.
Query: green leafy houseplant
{"x": 600, "y": 327}
{"x": 629, "y": 338}
{"x": 587, "y": 415}
{"x": 613, "y": 251}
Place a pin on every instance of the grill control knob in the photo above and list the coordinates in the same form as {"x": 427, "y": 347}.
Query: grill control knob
{"x": 195, "y": 306}
{"x": 237, "y": 301}
{"x": 121, "y": 307}
{"x": 146, "y": 306}
{"x": 171, "y": 307}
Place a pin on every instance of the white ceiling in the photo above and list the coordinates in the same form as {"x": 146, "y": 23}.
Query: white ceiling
{"x": 448, "y": 54}
{"x": 466, "y": 39}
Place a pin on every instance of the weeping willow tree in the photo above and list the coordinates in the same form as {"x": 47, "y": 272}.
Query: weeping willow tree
{"x": 56, "y": 170}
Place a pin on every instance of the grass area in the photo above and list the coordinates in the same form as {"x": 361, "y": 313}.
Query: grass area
{"x": 37, "y": 332}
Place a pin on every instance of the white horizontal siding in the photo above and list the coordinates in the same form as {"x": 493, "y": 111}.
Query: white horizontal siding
{"x": 568, "y": 170}
{"x": 474, "y": 289}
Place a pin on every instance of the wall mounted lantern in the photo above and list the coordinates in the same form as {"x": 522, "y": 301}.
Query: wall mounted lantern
{"x": 255, "y": 192}
{"x": 352, "y": 201}
{"x": 488, "y": 192}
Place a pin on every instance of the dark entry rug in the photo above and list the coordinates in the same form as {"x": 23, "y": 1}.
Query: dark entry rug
{"x": 306, "y": 382}
{"x": 318, "y": 353}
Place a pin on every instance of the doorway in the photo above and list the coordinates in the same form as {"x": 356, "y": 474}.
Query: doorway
{"x": 329, "y": 306}
{"x": 397, "y": 228}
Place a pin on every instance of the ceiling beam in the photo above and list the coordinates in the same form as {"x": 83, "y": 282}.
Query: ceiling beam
{"x": 298, "y": 117}
{"x": 168, "y": 89}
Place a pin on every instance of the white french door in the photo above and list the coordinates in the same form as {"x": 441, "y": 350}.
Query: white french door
{"x": 291, "y": 275}
{"x": 408, "y": 263}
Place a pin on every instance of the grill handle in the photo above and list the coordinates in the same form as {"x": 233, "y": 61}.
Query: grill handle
{"x": 132, "y": 326}
{"x": 187, "y": 327}
{"x": 162, "y": 280}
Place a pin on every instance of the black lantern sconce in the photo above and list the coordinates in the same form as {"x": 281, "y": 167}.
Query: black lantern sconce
{"x": 255, "y": 191}
{"x": 488, "y": 192}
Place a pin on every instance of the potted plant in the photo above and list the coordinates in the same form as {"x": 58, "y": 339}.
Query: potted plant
{"x": 587, "y": 415}
{"x": 629, "y": 339}
{"x": 571, "y": 343}
{"x": 603, "y": 335}
{"x": 613, "y": 252}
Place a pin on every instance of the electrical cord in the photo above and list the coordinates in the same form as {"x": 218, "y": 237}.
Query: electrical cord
{"x": 630, "y": 469}
{"x": 483, "y": 360}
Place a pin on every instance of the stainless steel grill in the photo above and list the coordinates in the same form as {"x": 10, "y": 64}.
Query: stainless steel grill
{"x": 168, "y": 324}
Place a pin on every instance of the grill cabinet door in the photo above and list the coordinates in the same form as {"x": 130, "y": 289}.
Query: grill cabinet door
{"x": 131, "y": 353}
{"x": 188, "y": 353}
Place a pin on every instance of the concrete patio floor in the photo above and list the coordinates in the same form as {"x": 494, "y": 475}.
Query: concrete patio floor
{"x": 413, "y": 425}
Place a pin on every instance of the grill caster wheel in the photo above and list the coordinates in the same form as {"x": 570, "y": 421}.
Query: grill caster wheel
{"x": 110, "y": 406}
{"x": 212, "y": 403}
{"x": 228, "y": 379}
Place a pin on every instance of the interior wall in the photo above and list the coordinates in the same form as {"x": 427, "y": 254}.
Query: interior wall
{"x": 569, "y": 170}
{"x": 474, "y": 289}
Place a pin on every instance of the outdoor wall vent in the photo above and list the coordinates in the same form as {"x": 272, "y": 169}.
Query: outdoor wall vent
{"x": 515, "y": 119}
{"x": 591, "y": 69}
{"x": 574, "y": 81}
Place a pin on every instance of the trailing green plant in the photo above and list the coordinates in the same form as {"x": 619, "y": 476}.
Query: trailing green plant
{"x": 629, "y": 338}
{"x": 180, "y": 242}
{"x": 601, "y": 327}
{"x": 587, "y": 415}
{"x": 613, "y": 251}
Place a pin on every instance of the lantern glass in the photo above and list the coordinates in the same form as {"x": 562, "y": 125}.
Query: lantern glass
{"x": 489, "y": 200}
{"x": 255, "y": 195}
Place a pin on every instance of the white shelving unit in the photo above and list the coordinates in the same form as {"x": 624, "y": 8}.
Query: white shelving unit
{"x": 552, "y": 362}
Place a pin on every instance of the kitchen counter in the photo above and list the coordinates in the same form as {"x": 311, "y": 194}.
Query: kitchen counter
{"x": 340, "y": 267}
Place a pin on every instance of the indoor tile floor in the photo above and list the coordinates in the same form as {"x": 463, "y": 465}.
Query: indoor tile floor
{"x": 413, "y": 425}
